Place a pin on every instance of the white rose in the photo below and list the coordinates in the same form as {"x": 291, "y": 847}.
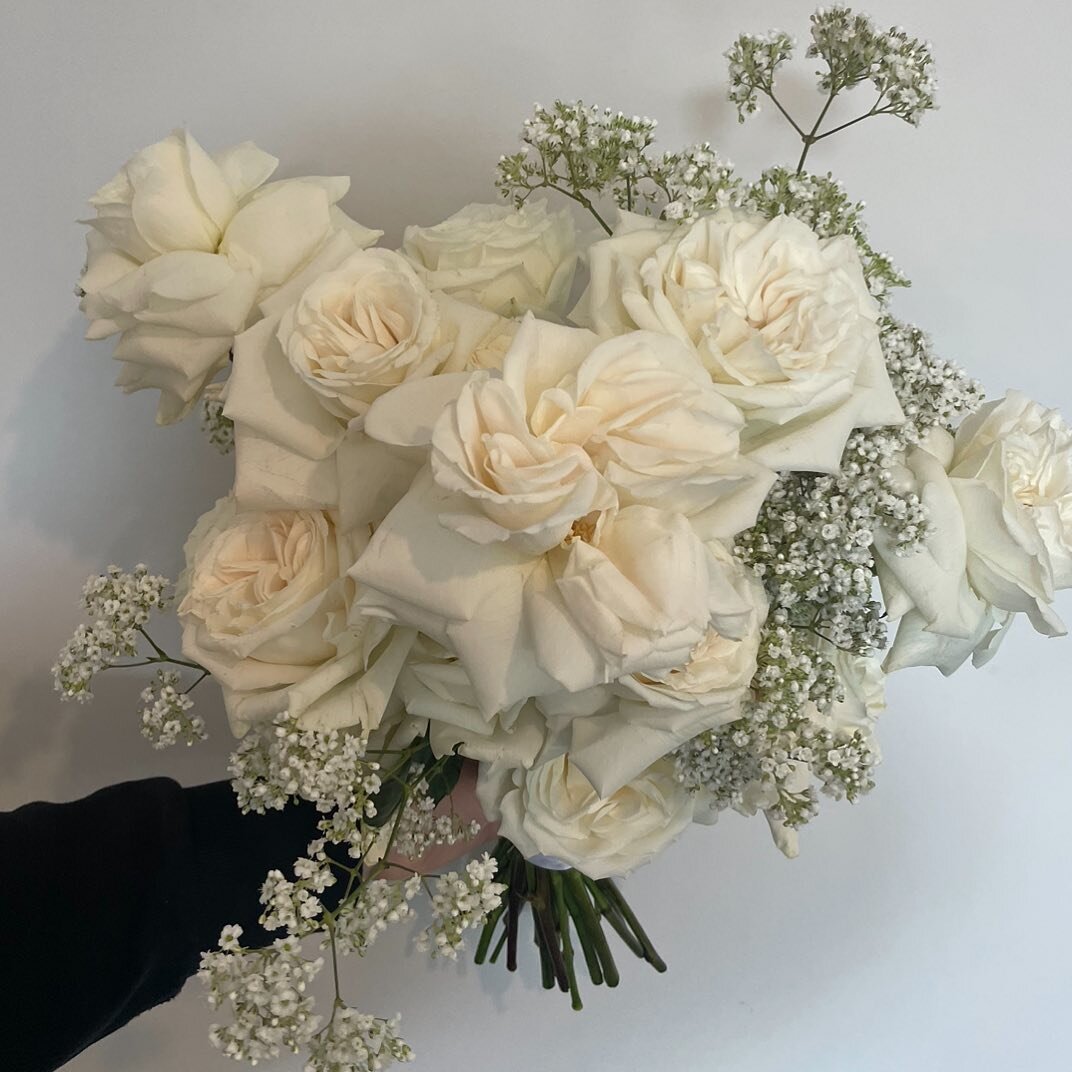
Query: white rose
{"x": 782, "y": 320}
{"x": 1012, "y": 471}
{"x": 553, "y": 811}
{"x": 435, "y": 687}
{"x": 616, "y": 731}
{"x": 506, "y": 260}
{"x": 339, "y": 334}
{"x": 264, "y": 609}
{"x": 182, "y": 248}
{"x": 666, "y": 436}
{"x": 942, "y": 619}
{"x": 360, "y": 329}
{"x": 642, "y": 587}
{"x": 512, "y": 449}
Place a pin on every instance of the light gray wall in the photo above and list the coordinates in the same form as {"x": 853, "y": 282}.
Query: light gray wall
{"x": 926, "y": 928}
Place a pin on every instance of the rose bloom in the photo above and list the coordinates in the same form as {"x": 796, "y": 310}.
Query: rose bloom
{"x": 616, "y": 731}
{"x": 552, "y": 811}
{"x": 1000, "y": 496}
{"x": 780, "y": 318}
{"x": 182, "y": 249}
{"x": 360, "y": 329}
{"x": 507, "y": 260}
{"x": 264, "y": 609}
{"x": 512, "y": 448}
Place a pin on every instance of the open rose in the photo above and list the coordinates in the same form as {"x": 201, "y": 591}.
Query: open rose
{"x": 781, "y": 319}
{"x": 183, "y": 247}
{"x": 666, "y": 437}
{"x": 513, "y": 447}
{"x": 552, "y": 811}
{"x": 506, "y": 260}
{"x": 264, "y": 608}
{"x": 1012, "y": 471}
{"x": 998, "y": 496}
{"x": 616, "y": 731}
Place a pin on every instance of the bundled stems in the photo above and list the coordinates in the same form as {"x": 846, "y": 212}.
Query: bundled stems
{"x": 565, "y": 906}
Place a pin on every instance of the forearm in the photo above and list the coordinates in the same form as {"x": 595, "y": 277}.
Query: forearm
{"x": 106, "y": 904}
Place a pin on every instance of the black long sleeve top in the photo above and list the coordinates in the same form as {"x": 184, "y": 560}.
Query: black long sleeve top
{"x": 107, "y": 903}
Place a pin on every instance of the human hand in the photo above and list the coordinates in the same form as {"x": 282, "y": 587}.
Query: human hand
{"x": 463, "y": 804}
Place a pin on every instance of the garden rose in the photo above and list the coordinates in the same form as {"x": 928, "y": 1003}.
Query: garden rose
{"x": 781, "y": 319}
{"x": 553, "y": 811}
{"x": 264, "y": 609}
{"x": 183, "y": 247}
{"x": 507, "y": 260}
{"x": 995, "y": 495}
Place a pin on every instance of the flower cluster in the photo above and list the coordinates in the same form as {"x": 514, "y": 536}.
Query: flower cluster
{"x": 356, "y": 1042}
{"x": 359, "y": 921}
{"x": 267, "y": 992}
{"x": 754, "y": 60}
{"x": 119, "y": 605}
{"x": 278, "y": 762}
{"x": 217, "y": 427}
{"x": 418, "y": 828}
{"x": 579, "y": 149}
{"x": 295, "y": 905}
{"x": 854, "y": 50}
{"x": 461, "y": 903}
{"x": 166, "y": 718}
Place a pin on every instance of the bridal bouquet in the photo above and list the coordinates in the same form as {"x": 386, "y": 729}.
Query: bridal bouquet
{"x": 597, "y": 498}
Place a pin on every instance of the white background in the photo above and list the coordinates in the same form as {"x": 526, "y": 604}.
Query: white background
{"x": 926, "y": 928}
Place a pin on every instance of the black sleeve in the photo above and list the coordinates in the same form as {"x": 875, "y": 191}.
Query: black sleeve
{"x": 106, "y": 904}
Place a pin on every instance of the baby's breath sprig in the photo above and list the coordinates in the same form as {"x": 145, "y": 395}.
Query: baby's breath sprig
{"x": 120, "y": 605}
{"x": 377, "y": 809}
{"x": 853, "y": 51}
{"x": 582, "y": 151}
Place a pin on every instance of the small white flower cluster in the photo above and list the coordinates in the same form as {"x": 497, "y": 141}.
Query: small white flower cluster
{"x": 378, "y": 903}
{"x": 294, "y": 906}
{"x": 820, "y": 201}
{"x": 165, "y": 716}
{"x": 279, "y": 761}
{"x": 218, "y": 428}
{"x": 119, "y": 604}
{"x": 932, "y": 392}
{"x": 753, "y": 61}
{"x": 266, "y": 990}
{"x": 693, "y": 181}
{"x": 419, "y": 828}
{"x": 461, "y": 903}
{"x": 356, "y": 1042}
{"x": 854, "y": 50}
{"x": 579, "y": 150}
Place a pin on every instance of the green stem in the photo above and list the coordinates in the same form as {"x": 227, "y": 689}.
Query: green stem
{"x": 614, "y": 895}
{"x": 563, "y": 922}
{"x": 811, "y": 137}
{"x": 576, "y": 891}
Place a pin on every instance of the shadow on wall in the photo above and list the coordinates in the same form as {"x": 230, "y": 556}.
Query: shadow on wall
{"x": 88, "y": 469}
{"x": 90, "y": 479}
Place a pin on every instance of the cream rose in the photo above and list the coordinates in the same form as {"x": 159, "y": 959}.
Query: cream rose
{"x": 264, "y": 609}
{"x": 666, "y": 437}
{"x": 781, "y": 319}
{"x": 553, "y": 811}
{"x": 513, "y": 448}
{"x": 956, "y": 596}
{"x": 361, "y": 329}
{"x": 616, "y": 731}
{"x": 507, "y": 260}
{"x": 1012, "y": 471}
{"x": 182, "y": 248}
{"x": 642, "y": 587}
